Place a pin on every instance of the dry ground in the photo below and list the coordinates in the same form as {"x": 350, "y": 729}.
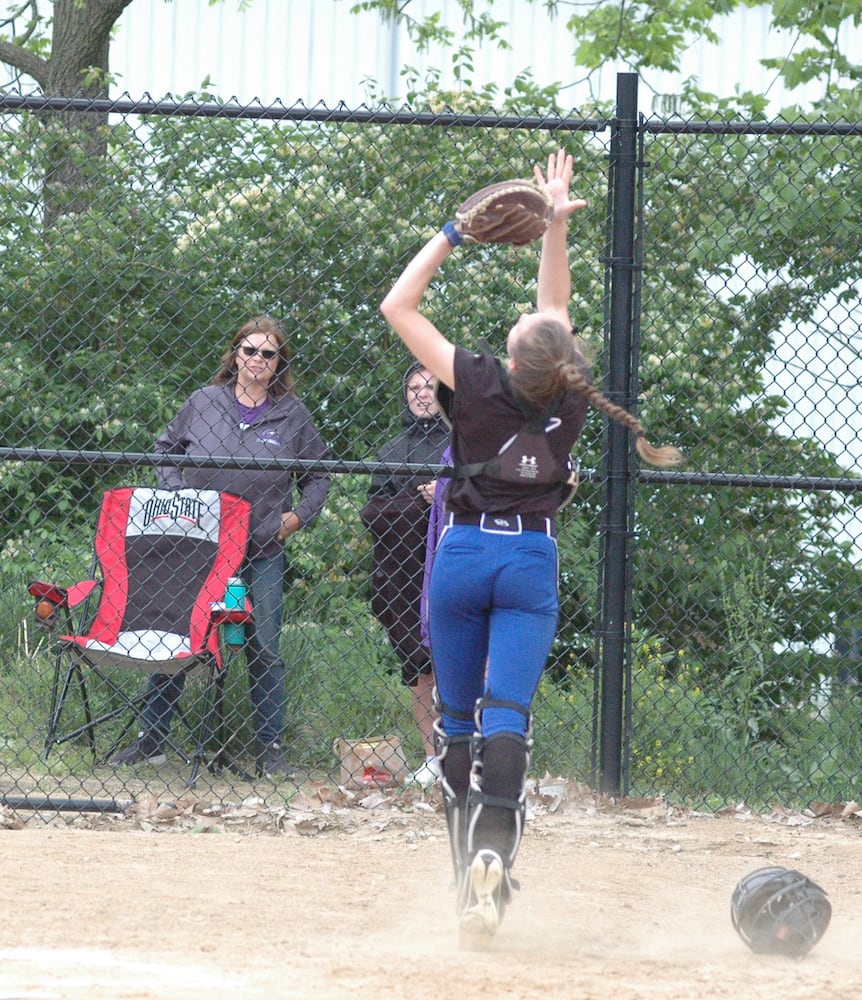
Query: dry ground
{"x": 332, "y": 899}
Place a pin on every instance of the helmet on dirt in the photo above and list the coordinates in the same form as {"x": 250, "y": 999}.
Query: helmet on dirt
{"x": 779, "y": 911}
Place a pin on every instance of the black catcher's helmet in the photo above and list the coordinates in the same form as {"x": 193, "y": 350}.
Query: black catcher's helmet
{"x": 779, "y": 911}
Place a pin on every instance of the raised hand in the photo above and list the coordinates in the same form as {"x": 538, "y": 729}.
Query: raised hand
{"x": 556, "y": 180}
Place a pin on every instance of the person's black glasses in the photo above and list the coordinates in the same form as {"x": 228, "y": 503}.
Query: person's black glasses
{"x": 264, "y": 352}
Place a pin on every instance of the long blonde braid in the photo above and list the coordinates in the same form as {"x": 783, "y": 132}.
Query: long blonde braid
{"x": 548, "y": 361}
{"x": 661, "y": 456}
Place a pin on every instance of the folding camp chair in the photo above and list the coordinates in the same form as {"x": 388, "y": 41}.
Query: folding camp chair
{"x": 163, "y": 561}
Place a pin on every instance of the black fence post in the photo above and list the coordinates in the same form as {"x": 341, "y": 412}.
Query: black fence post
{"x": 616, "y": 528}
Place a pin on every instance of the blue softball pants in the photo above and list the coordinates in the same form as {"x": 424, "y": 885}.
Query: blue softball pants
{"x": 493, "y": 600}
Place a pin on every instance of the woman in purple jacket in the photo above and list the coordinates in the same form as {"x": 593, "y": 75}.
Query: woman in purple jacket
{"x": 249, "y": 411}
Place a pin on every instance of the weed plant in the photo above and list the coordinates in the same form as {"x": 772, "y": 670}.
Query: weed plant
{"x": 751, "y": 734}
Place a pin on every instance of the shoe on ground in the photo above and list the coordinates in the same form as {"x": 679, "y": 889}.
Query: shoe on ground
{"x": 426, "y": 775}
{"x": 142, "y": 751}
{"x": 483, "y": 911}
{"x": 271, "y": 762}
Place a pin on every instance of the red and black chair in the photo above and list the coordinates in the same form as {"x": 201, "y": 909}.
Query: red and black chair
{"x": 155, "y": 604}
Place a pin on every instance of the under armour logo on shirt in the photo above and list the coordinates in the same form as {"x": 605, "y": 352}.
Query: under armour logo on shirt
{"x": 528, "y": 467}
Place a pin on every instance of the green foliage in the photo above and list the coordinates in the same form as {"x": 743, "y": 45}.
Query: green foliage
{"x": 694, "y": 736}
{"x": 717, "y": 210}
{"x": 113, "y": 313}
{"x": 563, "y": 726}
{"x": 668, "y": 705}
{"x": 750, "y": 691}
{"x": 642, "y": 34}
{"x": 331, "y": 562}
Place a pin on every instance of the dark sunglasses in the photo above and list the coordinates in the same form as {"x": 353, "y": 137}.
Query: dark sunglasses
{"x": 264, "y": 352}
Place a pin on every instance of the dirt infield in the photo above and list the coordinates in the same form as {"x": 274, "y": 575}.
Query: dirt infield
{"x": 333, "y": 900}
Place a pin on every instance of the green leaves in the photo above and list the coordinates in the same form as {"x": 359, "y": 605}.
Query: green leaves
{"x": 642, "y": 35}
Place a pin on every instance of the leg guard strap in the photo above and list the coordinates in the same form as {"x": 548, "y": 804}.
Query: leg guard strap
{"x": 491, "y": 702}
{"x": 453, "y": 713}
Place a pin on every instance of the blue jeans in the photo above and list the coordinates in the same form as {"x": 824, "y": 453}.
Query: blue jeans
{"x": 264, "y": 578}
{"x": 492, "y": 600}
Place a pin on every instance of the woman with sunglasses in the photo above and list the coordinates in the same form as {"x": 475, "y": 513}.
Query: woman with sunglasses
{"x": 249, "y": 411}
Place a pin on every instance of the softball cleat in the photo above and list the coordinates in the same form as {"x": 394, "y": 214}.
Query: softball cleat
{"x": 481, "y": 916}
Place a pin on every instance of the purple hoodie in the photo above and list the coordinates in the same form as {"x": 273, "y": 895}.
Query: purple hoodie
{"x": 208, "y": 424}
{"x": 435, "y": 530}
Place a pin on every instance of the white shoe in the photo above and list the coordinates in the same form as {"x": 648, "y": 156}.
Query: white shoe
{"x": 481, "y": 917}
{"x": 426, "y": 775}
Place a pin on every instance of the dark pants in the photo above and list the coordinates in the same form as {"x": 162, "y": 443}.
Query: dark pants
{"x": 264, "y": 578}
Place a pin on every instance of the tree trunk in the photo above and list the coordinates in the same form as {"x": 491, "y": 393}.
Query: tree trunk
{"x": 78, "y": 67}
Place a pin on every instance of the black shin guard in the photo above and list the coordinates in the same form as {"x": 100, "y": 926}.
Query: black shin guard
{"x": 453, "y": 754}
{"x": 496, "y": 802}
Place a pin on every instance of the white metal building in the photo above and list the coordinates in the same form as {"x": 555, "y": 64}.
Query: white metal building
{"x": 313, "y": 51}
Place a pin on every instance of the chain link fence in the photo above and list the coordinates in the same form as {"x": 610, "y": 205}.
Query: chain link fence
{"x": 140, "y": 237}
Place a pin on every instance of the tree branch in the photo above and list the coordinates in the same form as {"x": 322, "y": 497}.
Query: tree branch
{"x": 25, "y": 61}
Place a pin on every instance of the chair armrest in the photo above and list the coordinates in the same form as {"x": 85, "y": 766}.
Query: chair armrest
{"x": 220, "y": 615}
{"x": 232, "y": 621}
{"x": 50, "y": 598}
{"x": 63, "y": 597}
{"x": 49, "y": 593}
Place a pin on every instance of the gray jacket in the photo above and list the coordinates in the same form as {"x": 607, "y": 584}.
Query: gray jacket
{"x": 208, "y": 425}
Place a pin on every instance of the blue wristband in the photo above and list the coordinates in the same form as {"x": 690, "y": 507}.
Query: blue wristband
{"x": 452, "y": 235}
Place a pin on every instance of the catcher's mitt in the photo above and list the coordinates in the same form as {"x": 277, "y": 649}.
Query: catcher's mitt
{"x": 516, "y": 212}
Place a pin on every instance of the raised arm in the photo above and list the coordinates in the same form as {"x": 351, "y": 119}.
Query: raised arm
{"x": 401, "y": 309}
{"x": 555, "y": 282}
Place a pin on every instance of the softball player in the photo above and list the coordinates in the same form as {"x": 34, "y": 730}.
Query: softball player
{"x": 493, "y": 588}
